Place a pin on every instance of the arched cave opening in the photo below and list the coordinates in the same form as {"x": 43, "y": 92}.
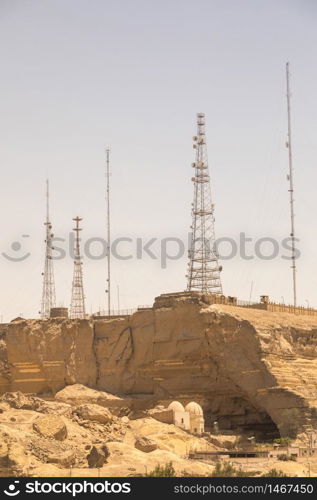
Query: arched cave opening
{"x": 237, "y": 415}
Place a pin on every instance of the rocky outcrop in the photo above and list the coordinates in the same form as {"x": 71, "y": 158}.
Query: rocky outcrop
{"x": 110, "y": 446}
{"x": 5, "y": 373}
{"x": 65, "y": 459}
{"x": 78, "y": 394}
{"x": 44, "y": 356}
{"x": 51, "y": 427}
{"x": 249, "y": 369}
{"x": 145, "y": 444}
{"x": 18, "y": 400}
{"x": 95, "y": 413}
{"x": 97, "y": 456}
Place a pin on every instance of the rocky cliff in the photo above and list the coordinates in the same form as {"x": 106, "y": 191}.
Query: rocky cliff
{"x": 249, "y": 369}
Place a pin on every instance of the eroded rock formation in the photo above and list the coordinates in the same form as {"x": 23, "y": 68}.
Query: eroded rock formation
{"x": 247, "y": 368}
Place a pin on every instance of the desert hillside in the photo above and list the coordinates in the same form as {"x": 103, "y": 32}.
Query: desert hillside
{"x": 251, "y": 370}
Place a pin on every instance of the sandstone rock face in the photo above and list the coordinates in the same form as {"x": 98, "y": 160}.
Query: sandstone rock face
{"x": 51, "y": 427}
{"x": 249, "y": 369}
{"x": 123, "y": 347}
{"x": 94, "y": 413}
{"x": 5, "y": 372}
{"x": 145, "y": 444}
{"x": 44, "y": 356}
{"x": 97, "y": 456}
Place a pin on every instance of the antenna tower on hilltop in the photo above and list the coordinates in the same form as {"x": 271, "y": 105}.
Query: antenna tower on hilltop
{"x": 77, "y": 307}
{"x": 203, "y": 268}
{"x": 48, "y": 293}
{"x": 291, "y": 182}
{"x": 108, "y": 289}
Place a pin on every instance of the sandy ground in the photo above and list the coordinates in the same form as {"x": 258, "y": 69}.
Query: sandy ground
{"x": 266, "y": 318}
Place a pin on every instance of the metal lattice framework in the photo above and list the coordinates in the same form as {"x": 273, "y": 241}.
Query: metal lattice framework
{"x": 203, "y": 267}
{"x": 77, "y": 307}
{"x": 48, "y": 293}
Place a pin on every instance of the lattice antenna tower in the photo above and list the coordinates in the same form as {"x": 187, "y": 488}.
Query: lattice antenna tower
{"x": 108, "y": 288}
{"x": 291, "y": 182}
{"x": 203, "y": 268}
{"x": 77, "y": 307}
{"x": 48, "y": 292}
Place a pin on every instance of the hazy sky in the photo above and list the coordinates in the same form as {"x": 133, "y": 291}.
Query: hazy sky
{"x": 78, "y": 75}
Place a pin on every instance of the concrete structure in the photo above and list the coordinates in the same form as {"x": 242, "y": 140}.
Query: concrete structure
{"x": 294, "y": 451}
{"x": 163, "y": 415}
{"x": 59, "y": 312}
{"x": 181, "y": 418}
{"x": 266, "y": 305}
{"x": 196, "y": 418}
{"x": 190, "y": 418}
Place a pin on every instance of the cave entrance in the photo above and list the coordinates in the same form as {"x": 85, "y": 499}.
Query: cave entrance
{"x": 263, "y": 431}
{"x": 236, "y": 415}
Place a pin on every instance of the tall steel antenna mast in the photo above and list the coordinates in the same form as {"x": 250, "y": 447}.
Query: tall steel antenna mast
{"x": 291, "y": 182}
{"x": 77, "y": 307}
{"x": 108, "y": 289}
{"x": 203, "y": 267}
{"x": 48, "y": 292}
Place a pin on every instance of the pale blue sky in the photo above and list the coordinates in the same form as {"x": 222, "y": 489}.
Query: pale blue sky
{"x": 77, "y": 75}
